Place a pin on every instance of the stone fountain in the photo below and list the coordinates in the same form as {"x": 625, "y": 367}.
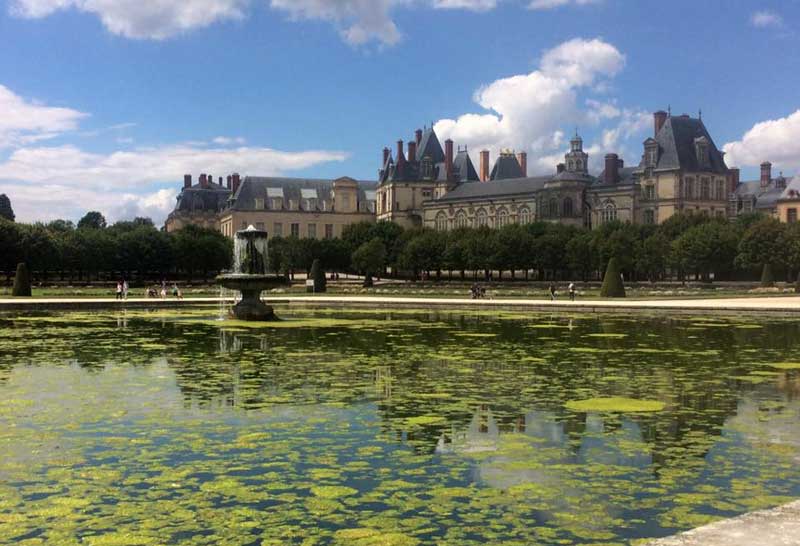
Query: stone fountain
{"x": 250, "y": 275}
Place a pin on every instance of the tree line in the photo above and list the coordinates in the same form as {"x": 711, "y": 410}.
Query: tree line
{"x": 685, "y": 247}
{"x": 91, "y": 250}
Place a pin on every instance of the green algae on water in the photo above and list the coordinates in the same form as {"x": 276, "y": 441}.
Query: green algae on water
{"x": 615, "y": 405}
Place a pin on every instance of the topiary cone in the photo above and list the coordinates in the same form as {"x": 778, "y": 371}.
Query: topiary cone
{"x": 767, "y": 280}
{"x": 318, "y": 276}
{"x": 612, "y": 282}
{"x": 22, "y": 282}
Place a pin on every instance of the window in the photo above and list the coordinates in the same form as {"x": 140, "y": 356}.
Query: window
{"x": 689, "y": 188}
{"x": 260, "y": 226}
{"x": 502, "y": 217}
{"x": 461, "y": 219}
{"x": 329, "y": 231}
{"x": 441, "y": 221}
{"x": 525, "y": 215}
{"x": 481, "y": 218}
{"x": 312, "y": 231}
{"x": 649, "y": 217}
{"x": 649, "y": 192}
{"x": 720, "y": 189}
{"x": 791, "y": 216}
{"x": 570, "y": 165}
{"x": 567, "y": 207}
{"x": 276, "y": 203}
{"x": 705, "y": 189}
{"x": 277, "y": 229}
{"x": 295, "y": 230}
{"x": 426, "y": 193}
{"x": 552, "y": 208}
{"x": 609, "y": 212}
{"x": 258, "y": 203}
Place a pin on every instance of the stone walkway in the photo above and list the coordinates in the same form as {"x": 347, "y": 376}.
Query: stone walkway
{"x": 777, "y": 527}
{"x": 788, "y": 305}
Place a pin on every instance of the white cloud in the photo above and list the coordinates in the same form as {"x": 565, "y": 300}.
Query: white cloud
{"x": 65, "y": 181}
{"x": 471, "y": 5}
{"x": 764, "y": 19}
{"x": 529, "y": 111}
{"x": 228, "y": 141}
{"x": 24, "y": 121}
{"x": 143, "y": 19}
{"x": 777, "y": 141}
{"x": 552, "y": 4}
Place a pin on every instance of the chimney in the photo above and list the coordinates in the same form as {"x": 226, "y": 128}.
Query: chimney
{"x": 560, "y": 168}
{"x": 229, "y": 181}
{"x": 734, "y": 178}
{"x": 448, "y": 158}
{"x": 203, "y": 183}
{"x": 209, "y": 180}
{"x": 611, "y": 174}
{"x": 399, "y": 151}
{"x": 235, "y": 180}
{"x": 766, "y": 174}
{"x": 522, "y": 159}
{"x": 187, "y": 180}
{"x": 620, "y": 163}
{"x": 385, "y": 156}
{"x": 484, "y": 174}
{"x": 659, "y": 118}
{"x": 412, "y": 151}
{"x": 400, "y": 160}
{"x": 418, "y": 136}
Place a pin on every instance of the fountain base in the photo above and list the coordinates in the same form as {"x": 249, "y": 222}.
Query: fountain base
{"x": 251, "y": 307}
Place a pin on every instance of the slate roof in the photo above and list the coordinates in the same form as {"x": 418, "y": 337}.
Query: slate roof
{"x": 195, "y": 199}
{"x": 766, "y": 198}
{"x": 463, "y": 169}
{"x": 430, "y": 145}
{"x": 506, "y": 167}
{"x": 257, "y": 187}
{"x": 677, "y": 149}
{"x": 495, "y": 189}
{"x": 792, "y": 190}
{"x": 627, "y": 175}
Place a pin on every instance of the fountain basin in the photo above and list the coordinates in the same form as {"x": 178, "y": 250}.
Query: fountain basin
{"x": 250, "y": 307}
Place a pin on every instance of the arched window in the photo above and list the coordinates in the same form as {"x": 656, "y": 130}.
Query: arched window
{"x": 441, "y": 221}
{"x": 578, "y": 164}
{"x": 552, "y": 208}
{"x": 481, "y": 218}
{"x": 524, "y": 215}
{"x": 609, "y": 212}
{"x": 461, "y": 219}
{"x": 502, "y": 217}
{"x": 570, "y": 165}
{"x": 567, "y": 207}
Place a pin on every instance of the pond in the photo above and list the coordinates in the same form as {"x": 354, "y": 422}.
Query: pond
{"x": 390, "y": 428}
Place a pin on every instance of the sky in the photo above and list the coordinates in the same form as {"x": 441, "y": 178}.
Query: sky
{"x": 106, "y": 104}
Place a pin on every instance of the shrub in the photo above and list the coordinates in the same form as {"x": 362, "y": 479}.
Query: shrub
{"x": 22, "y": 282}
{"x": 612, "y": 282}
{"x": 318, "y": 276}
{"x": 767, "y": 280}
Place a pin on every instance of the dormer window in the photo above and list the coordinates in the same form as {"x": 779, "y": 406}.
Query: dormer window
{"x": 258, "y": 203}
{"x": 701, "y": 151}
{"x": 427, "y": 168}
{"x": 651, "y": 153}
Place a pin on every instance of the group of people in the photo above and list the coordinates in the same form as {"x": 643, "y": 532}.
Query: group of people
{"x": 570, "y": 289}
{"x": 151, "y": 292}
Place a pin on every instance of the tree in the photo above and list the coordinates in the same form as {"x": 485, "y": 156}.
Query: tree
{"x": 92, "y": 220}
{"x": 369, "y": 259}
{"x": 5, "y": 208}
{"x": 22, "y": 281}
{"x": 612, "y": 282}
{"x": 10, "y": 250}
{"x": 318, "y": 276}
{"x": 580, "y": 254}
{"x": 652, "y": 257}
{"x": 707, "y": 248}
{"x": 764, "y": 242}
{"x": 423, "y": 252}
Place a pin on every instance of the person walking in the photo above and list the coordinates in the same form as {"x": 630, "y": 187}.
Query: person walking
{"x": 572, "y": 291}
{"x": 119, "y": 290}
{"x": 552, "y": 292}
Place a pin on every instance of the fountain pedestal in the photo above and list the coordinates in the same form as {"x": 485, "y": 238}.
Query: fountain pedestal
{"x": 250, "y": 276}
{"x": 251, "y": 307}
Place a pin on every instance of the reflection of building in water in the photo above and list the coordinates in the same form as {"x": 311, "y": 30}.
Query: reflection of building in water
{"x": 229, "y": 342}
{"x": 481, "y": 435}
{"x": 382, "y": 379}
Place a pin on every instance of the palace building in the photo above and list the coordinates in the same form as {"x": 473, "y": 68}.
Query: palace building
{"x": 681, "y": 169}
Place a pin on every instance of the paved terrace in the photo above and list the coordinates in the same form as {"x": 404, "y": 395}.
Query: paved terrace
{"x": 783, "y": 306}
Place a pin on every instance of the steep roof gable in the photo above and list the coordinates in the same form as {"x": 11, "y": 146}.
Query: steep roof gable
{"x": 506, "y": 167}
{"x": 464, "y": 169}
{"x": 676, "y": 142}
{"x": 430, "y": 146}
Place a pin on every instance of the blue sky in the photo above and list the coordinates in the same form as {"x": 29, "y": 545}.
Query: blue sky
{"x": 104, "y": 104}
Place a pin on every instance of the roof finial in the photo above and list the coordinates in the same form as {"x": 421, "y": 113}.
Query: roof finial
{"x": 669, "y": 110}
{"x": 700, "y": 114}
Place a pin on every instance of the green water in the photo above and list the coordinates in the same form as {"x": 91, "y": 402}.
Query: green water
{"x": 396, "y": 429}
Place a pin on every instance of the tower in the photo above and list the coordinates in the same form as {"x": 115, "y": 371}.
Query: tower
{"x": 576, "y": 160}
